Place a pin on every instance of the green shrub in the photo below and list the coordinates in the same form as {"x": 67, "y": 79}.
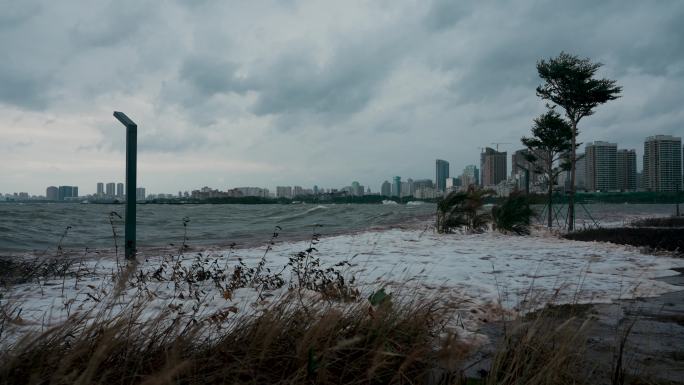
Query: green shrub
{"x": 513, "y": 215}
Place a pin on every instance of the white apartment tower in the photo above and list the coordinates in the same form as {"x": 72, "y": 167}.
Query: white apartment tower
{"x": 601, "y": 166}
{"x": 662, "y": 163}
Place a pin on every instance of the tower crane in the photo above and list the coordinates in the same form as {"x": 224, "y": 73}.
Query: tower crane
{"x": 498, "y": 143}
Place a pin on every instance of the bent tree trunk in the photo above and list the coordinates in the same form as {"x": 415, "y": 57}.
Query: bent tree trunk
{"x": 550, "y": 192}
{"x": 573, "y": 161}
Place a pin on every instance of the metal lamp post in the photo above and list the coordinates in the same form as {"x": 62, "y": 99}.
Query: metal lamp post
{"x": 131, "y": 167}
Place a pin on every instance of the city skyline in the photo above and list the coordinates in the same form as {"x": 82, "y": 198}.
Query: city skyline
{"x": 305, "y": 93}
{"x": 623, "y": 171}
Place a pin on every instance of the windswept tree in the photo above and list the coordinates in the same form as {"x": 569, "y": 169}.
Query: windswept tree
{"x": 513, "y": 214}
{"x": 548, "y": 148}
{"x": 463, "y": 209}
{"x": 569, "y": 83}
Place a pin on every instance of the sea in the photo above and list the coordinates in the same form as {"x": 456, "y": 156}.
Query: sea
{"x": 35, "y": 228}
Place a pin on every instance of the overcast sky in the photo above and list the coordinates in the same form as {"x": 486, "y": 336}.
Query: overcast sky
{"x": 260, "y": 93}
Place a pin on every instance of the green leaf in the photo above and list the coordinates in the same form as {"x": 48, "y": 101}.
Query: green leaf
{"x": 378, "y": 297}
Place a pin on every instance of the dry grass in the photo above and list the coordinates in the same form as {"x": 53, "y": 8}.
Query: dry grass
{"x": 544, "y": 350}
{"x": 286, "y": 343}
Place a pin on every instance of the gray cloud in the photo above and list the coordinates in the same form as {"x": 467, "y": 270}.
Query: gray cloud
{"x": 327, "y": 88}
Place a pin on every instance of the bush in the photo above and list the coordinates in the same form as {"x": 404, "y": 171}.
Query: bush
{"x": 463, "y": 209}
{"x": 513, "y": 215}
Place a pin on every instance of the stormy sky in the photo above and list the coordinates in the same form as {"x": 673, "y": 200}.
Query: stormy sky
{"x": 266, "y": 93}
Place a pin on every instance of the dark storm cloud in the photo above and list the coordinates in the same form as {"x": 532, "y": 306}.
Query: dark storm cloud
{"x": 344, "y": 84}
{"x": 209, "y": 75}
{"x": 294, "y": 84}
{"x": 444, "y": 14}
{"x": 16, "y": 12}
{"x": 274, "y": 79}
{"x": 23, "y": 89}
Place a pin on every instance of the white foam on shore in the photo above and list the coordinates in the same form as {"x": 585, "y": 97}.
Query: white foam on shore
{"x": 474, "y": 273}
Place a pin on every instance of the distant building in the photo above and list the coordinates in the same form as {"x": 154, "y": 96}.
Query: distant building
{"x": 297, "y": 191}
{"x": 357, "y": 189}
{"x": 66, "y": 192}
{"x": 521, "y": 166}
{"x": 601, "y": 166}
{"x": 626, "y": 170}
{"x": 110, "y": 189}
{"x": 580, "y": 172}
{"x": 120, "y": 190}
{"x": 423, "y": 183}
{"x": 662, "y": 163}
{"x": 471, "y": 176}
{"x": 410, "y": 187}
{"x": 405, "y": 189}
{"x": 139, "y": 193}
{"x": 493, "y": 166}
{"x": 52, "y": 193}
{"x": 100, "y": 189}
{"x": 424, "y": 192}
{"x": 253, "y": 192}
{"x": 386, "y": 189}
{"x": 284, "y": 192}
{"x": 396, "y": 186}
{"x": 441, "y": 173}
{"x": 453, "y": 184}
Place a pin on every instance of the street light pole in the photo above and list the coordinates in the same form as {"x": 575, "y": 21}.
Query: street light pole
{"x": 131, "y": 167}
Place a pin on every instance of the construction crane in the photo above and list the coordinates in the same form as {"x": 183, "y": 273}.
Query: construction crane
{"x": 498, "y": 143}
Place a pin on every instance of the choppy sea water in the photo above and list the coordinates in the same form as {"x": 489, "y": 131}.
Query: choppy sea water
{"x": 37, "y": 227}
{"x": 28, "y": 228}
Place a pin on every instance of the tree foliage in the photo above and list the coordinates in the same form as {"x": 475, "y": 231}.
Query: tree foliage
{"x": 513, "y": 215}
{"x": 463, "y": 209}
{"x": 548, "y": 149}
{"x": 569, "y": 83}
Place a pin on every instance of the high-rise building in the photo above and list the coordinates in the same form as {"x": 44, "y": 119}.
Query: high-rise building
{"x": 284, "y": 192}
{"x": 119, "y": 190}
{"x": 386, "y": 189}
{"x": 52, "y": 193}
{"x": 662, "y": 163}
{"x": 493, "y": 166}
{"x": 601, "y": 166}
{"x": 396, "y": 186}
{"x": 580, "y": 172}
{"x": 520, "y": 163}
{"x": 253, "y": 192}
{"x": 405, "y": 189}
{"x": 564, "y": 177}
{"x": 297, "y": 191}
{"x": 65, "y": 192}
{"x": 100, "y": 189}
{"x": 357, "y": 189}
{"x": 471, "y": 176}
{"x": 441, "y": 174}
{"x": 410, "y": 187}
{"x": 423, "y": 183}
{"x": 453, "y": 184}
{"x": 626, "y": 170}
{"x": 110, "y": 189}
{"x": 139, "y": 193}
